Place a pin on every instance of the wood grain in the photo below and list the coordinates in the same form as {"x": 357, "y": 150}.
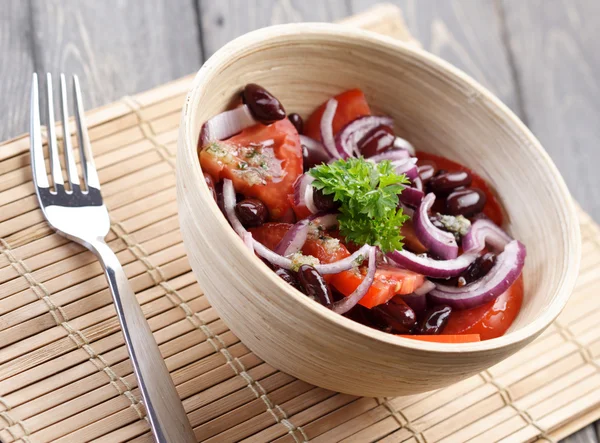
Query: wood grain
{"x": 116, "y": 47}
{"x": 556, "y": 59}
{"x": 224, "y": 20}
{"x": 15, "y": 68}
{"x": 465, "y": 33}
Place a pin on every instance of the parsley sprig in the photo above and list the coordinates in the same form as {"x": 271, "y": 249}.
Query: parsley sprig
{"x": 368, "y": 197}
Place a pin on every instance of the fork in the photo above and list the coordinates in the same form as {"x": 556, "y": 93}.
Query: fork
{"x": 77, "y": 212}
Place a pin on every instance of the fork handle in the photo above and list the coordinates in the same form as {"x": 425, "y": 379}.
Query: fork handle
{"x": 164, "y": 409}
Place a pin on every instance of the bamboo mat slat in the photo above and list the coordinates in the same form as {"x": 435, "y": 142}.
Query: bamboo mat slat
{"x": 64, "y": 371}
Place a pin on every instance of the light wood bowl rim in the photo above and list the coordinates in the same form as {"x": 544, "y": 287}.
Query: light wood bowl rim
{"x": 227, "y": 53}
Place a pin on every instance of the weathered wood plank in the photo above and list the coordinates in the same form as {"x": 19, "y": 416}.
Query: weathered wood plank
{"x": 223, "y": 20}
{"x": 557, "y": 63}
{"x": 116, "y": 47}
{"x": 465, "y": 33}
{"x": 586, "y": 435}
{"x": 15, "y": 68}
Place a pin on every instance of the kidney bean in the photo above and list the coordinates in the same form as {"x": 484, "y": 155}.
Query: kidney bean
{"x": 324, "y": 202}
{"x": 251, "y": 212}
{"x": 211, "y": 185}
{"x": 479, "y": 267}
{"x": 442, "y": 184}
{"x": 264, "y": 106}
{"x": 297, "y": 122}
{"x": 399, "y": 316}
{"x": 313, "y": 156}
{"x": 376, "y": 141}
{"x": 467, "y": 202}
{"x": 314, "y": 285}
{"x": 289, "y": 277}
{"x": 435, "y": 320}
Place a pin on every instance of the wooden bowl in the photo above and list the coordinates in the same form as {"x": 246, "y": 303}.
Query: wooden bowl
{"x": 436, "y": 107}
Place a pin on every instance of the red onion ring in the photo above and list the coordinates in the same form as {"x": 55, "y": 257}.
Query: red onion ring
{"x": 226, "y": 124}
{"x": 484, "y": 232}
{"x": 294, "y": 239}
{"x": 406, "y": 166}
{"x": 346, "y": 141}
{"x": 441, "y": 243}
{"x": 303, "y": 192}
{"x": 411, "y": 196}
{"x": 401, "y": 143}
{"x": 391, "y": 155}
{"x": 327, "y": 128}
{"x": 418, "y": 183}
{"x": 326, "y": 221}
{"x": 247, "y": 237}
{"x": 425, "y": 288}
{"x": 343, "y": 306}
{"x": 508, "y": 267}
{"x": 430, "y": 267}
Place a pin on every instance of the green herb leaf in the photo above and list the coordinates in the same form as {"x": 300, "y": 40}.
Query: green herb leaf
{"x": 368, "y": 196}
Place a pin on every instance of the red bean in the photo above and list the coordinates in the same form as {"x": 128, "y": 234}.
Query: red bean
{"x": 435, "y": 320}
{"x": 443, "y": 184}
{"x": 313, "y": 156}
{"x": 399, "y": 316}
{"x": 324, "y": 202}
{"x": 376, "y": 141}
{"x": 251, "y": 212}
{"x": 289, "y": 277}
{"x": 297, "y": 122}
{"x": 314, "y": 285}
{"x": 467, "y": 202}
{"x": 264, "y": 106}
{"x": 479, "y": 267}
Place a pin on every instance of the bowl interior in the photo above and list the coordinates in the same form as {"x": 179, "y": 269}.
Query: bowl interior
{"x": 434, "y": 106}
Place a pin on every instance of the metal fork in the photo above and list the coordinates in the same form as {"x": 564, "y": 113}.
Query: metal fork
{"x": 78, "y": 213}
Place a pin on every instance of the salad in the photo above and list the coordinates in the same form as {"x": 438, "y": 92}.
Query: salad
{"x": 348, "y": 213}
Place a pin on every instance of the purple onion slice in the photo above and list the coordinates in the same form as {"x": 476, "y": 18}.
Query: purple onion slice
{"x": 343, "y": 306}
{"x": 441, "y": 243}
{"x": 226, "y": 124}
{"x": 430, "y": 267}
{"x": 327, "y": 129}
{"x": 411, "y": 196}
{"x": 406, "y": 166}
{"x": 508, "y": 267}
{"x": 303, "y": 192}
{"x": 346, "y": 141}
{"x": 294, "y": 239}
{"x": 482, "y": 232}
{"x": 391, "y": 155}
{"x": 247, "y": 237}
{"x": 401, "y": 143}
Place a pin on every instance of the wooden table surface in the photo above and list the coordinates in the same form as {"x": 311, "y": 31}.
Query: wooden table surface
{"x": 539, "y": 56}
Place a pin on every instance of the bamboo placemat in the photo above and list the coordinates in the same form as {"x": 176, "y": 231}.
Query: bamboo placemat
{"x": 64, "y": 371}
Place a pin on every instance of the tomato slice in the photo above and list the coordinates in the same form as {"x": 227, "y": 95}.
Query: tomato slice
{"x": 490, "y": 320}
{"x": 464, "y": 338}
{"x": 351, "y": 104}
{"x": 389, "y": 281}
{"x": 492, "y": 208}
{"x": 262, "y": 161}
{"x": 326, "y": 249}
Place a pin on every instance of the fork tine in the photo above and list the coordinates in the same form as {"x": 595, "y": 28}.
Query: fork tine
{"x": 68, "y": 146}
{"x": 87, "y": 160}
{"x": 52, "y": 145}
{"x": 38, "y": 165}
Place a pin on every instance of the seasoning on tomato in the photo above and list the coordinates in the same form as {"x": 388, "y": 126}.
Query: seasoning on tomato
{"x": 262, "y": 161}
